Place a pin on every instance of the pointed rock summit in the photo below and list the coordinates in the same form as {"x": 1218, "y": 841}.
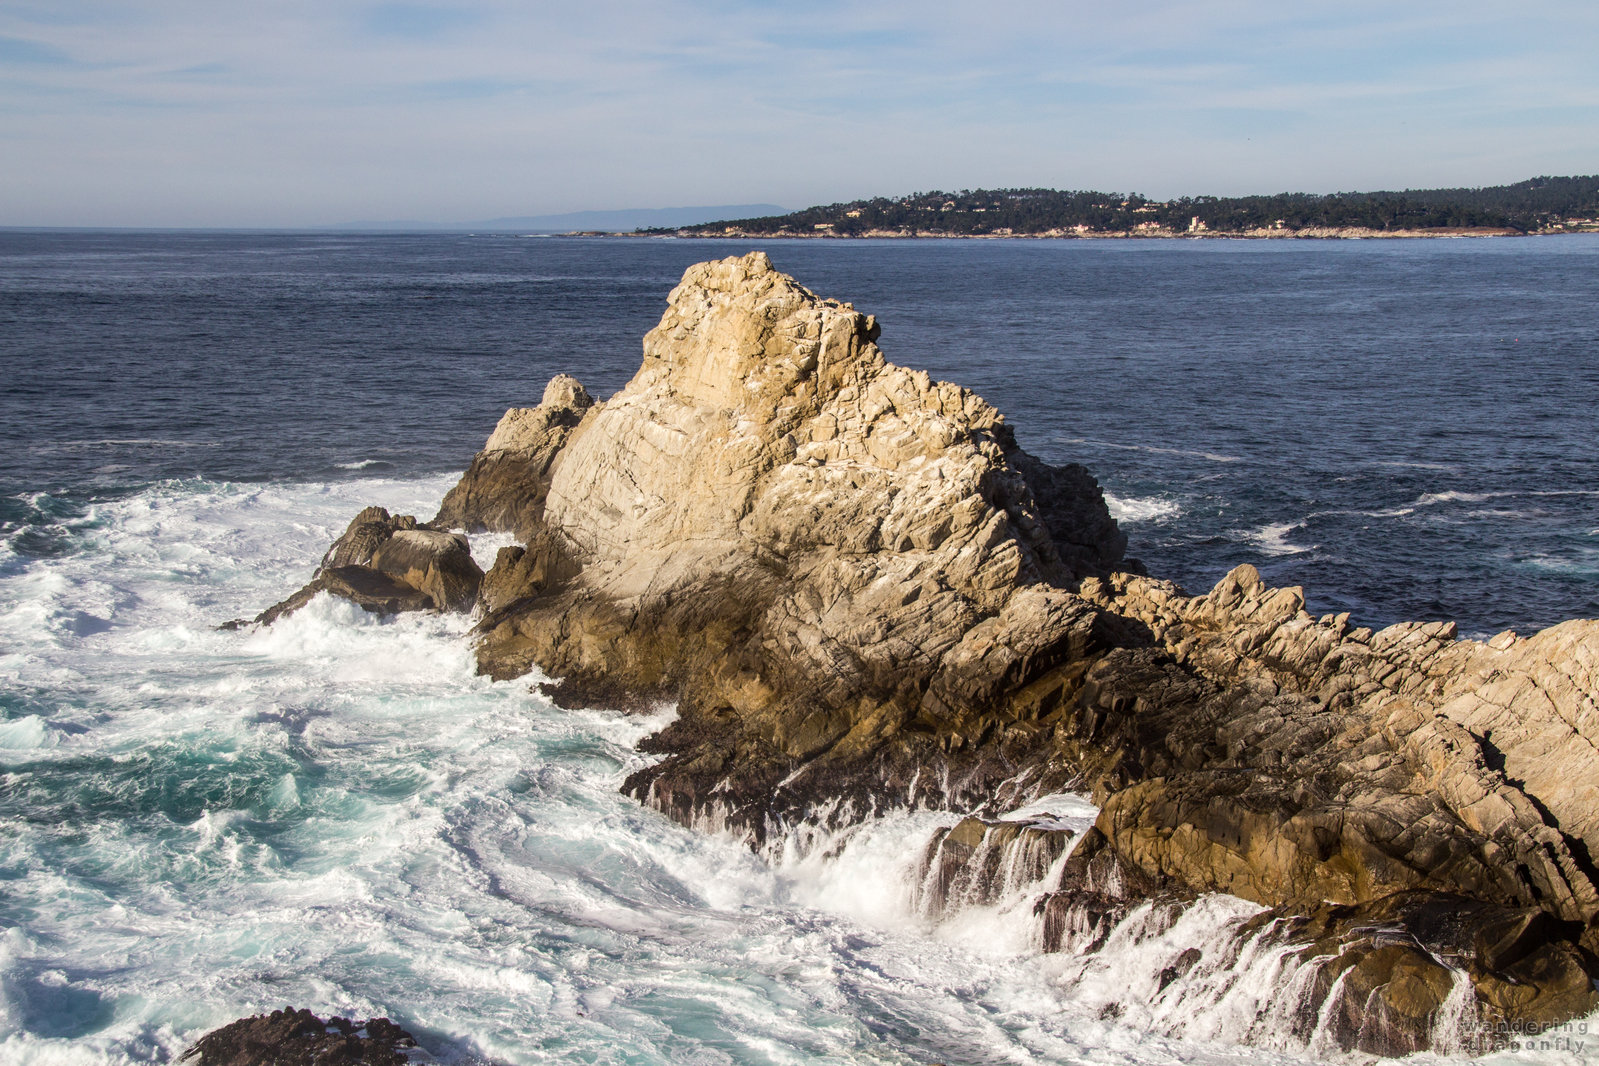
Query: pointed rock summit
{"x": 768, "y": 472}
{"x": 764, "y": 421}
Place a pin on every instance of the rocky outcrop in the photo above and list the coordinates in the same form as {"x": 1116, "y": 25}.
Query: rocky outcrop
{"x": 508, "y": 481}
{"x": 292, "y": 1037}
{"x": 796, "y": 540}
{"x": 1361, "y": 763}
{"x": 388, "y": 564}
{"x": 981, "y": 861}
{"x": 1354, "y": 781}
{"x": 862, "y": 593}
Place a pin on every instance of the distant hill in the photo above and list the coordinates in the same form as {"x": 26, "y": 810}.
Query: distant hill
{"x": 623, "y": 221}
{"x": 1539, "y": 205}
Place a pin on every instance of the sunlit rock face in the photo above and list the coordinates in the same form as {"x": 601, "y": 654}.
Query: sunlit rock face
{"x": 820, "y": 555}
{"x": 388, "y": 564}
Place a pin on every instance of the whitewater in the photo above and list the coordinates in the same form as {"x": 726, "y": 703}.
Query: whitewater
{"x": 337, "y": 812}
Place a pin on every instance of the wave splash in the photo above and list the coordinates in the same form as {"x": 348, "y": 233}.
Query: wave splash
{"x": 338, "y": 813}
{"x": 1200, "y": 974}
{"x": 1130, "y": 509}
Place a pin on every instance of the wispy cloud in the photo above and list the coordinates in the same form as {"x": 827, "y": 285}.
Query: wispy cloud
{"x": 421, "y": 22}
{"x": 15, "y": 50}
{"x": 166, "y": 111}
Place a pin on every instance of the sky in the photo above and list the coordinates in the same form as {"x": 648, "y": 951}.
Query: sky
{"x": 298, "y": 113}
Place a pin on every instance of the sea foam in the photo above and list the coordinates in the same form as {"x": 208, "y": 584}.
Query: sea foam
{"x": 1131, "y": 509}
{"x": 338, "y": 812}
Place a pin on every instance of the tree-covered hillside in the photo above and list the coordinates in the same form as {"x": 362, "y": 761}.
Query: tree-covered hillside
{"x": 1537, "y": 205}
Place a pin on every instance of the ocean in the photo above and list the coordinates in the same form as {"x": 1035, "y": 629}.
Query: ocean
{"x": 336, "y": 813}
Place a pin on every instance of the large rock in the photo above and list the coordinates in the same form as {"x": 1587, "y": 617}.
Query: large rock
{"x": 1394, "y": 777}
{"x": 861, "y": 593}
{"x": 1375, "y": 761}
{"x": 789, "y": 536}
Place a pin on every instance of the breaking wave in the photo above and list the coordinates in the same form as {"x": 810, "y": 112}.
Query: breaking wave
{"x": 1129, "y": 509}
{"x": 338, "y": 813}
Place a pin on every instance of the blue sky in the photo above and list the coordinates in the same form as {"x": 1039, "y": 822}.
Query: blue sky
{"x": 183, "y": 112}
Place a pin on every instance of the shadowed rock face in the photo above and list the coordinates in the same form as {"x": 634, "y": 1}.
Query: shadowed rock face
{"x": 862, "y": 594}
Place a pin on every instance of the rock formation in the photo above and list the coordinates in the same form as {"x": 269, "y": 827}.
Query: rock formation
{"x": 862, "y": 593}
{"x": 784, "y": 533}
{"x": 292, "y": 1037}
{"x": 387, "y": 564}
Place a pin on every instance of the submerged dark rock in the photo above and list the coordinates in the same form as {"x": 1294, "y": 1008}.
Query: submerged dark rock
{"x": 863, "y": 594}
{"x": 292, "y": 1037}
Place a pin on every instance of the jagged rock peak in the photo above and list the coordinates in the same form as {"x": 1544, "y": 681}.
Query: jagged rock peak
{"x": 765, "y": 415}
{"x": 524, "y": 428}
{"x": 739, "y": 335}
{"x": 764, "y": 420}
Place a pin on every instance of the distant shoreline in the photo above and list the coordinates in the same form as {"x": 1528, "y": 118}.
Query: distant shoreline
{"x": 1536, "y": 206}
{"x": 1348, "y": 233}
{"x": 1318, "y": 233}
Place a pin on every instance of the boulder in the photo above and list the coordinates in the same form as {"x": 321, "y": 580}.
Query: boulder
{"x": 292, "y": 1037}
{"x": 1386, "y": 970}
{"x": 387, "y": 564}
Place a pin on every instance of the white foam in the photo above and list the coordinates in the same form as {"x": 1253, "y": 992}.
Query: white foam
{"x": 1402, "y": 464}
{"x": 1273, "y": 539}
{"x": 1214, "y": 457}
{"x": 1586, "y": 564}
{"x": 485, "y": 546}
{"x": 1428, "y": 499}
{"x": 1068, "y": 811}
{"x": 1131, "y": 509}
{"x": 338, "y": 812}
{"x": 1386, "y": 512}
{"x": 27, "y": 732}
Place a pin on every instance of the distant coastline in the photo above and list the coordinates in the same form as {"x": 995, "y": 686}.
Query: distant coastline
{"x": 1349, "y": 233}
{"x": 1545, "y": 205}
{"x": 1329, "y": 233}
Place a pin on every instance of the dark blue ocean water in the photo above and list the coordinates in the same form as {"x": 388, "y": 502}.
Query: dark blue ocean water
{"x": 1405, "y": 428}
{"x": 336, "y": 812}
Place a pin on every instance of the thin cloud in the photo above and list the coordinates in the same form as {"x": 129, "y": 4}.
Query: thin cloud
{"x": 299, "y": 112}
{"x": 16, "y": 50}
{"x": 424, "y": 22}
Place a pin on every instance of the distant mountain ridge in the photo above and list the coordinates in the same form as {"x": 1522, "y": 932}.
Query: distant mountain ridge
{"x": 1538, "y": 205}
{"x": 620, "y": 221}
